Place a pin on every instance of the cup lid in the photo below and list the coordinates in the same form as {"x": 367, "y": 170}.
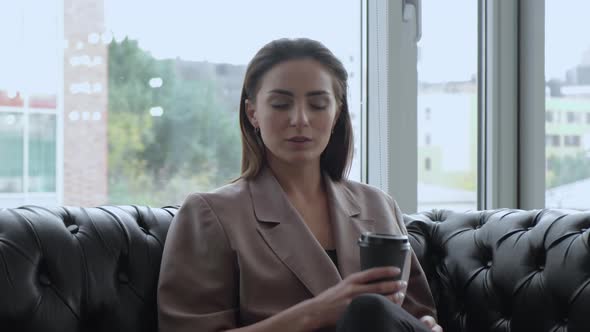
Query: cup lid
{"x": 381, "y": 238}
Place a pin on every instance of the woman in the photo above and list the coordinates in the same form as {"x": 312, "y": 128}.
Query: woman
{"x": 276, "y": 250}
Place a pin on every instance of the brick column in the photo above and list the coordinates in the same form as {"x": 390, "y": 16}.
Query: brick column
{"x": 85, "y": 104}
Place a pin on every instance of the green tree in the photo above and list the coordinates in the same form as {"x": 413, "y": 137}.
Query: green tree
{"x": 193, "y": 146}
{"x": 567, "y": 169}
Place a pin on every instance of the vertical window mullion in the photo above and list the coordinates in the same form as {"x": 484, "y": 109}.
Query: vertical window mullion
{"x": 392, "y": 97}
{"x": 26, "y": 116}
{"x": 60, "y": 109}
{"x": 499, "y": 110}
{"x": 531, "y": 177}
{"x": 481, "y": 106}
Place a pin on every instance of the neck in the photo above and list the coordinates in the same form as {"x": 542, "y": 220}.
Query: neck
{"x": 302, "y": 180}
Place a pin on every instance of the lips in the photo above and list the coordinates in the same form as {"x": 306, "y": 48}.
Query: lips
{"x": 299, "y": 139}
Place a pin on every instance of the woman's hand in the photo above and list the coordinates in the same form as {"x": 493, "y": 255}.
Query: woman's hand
{"x": 431, "y": 323}
{"x": 327, "y": 307}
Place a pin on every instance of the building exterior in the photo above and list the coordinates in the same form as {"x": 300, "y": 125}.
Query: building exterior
{"x": 53, "y": 103}
{"x": 567, "y": 120}
{"x": 447, "y": 142}
{"x": 85, "y": 68}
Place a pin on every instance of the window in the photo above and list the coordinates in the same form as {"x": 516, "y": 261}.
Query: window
{"x": 571, "y": 140}
{"x": 447, "y": 98}
{"x": 549, "y": 116}
{"x": 553, "y": 140}
{"x": 557, "y": 117}
{"x": 571, "y": 117}
{"x": 567, "y": 62}
{"x": 11, "y": 144}
{"x": 517, "y": 89}
{"x": 147, "y": 112}
{"x": 29, "y": 102}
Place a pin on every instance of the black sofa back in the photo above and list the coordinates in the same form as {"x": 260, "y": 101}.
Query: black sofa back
{"x": 74, "y": 269}
{"x": 96, "y": 269}
{"x": 506, "y": 270}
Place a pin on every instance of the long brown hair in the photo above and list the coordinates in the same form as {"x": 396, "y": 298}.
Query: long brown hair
{"x": 337, "y": 157}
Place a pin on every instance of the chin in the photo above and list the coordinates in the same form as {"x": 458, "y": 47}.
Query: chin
{"x": 299, "y": 158}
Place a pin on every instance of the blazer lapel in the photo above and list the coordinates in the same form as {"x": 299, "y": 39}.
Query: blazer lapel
{"x": 348, "y": 223}
{"x": 283, "y": 229}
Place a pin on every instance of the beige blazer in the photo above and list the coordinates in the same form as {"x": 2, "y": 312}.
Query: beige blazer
{"x": 241, "y": 254}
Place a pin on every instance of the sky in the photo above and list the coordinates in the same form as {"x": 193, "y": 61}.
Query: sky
{"x": 210, "y": 30}
{"x": 28, "y": 64}
{"x": 449, "y": 38}
{"x": 567, "y": 29}
{"x": 448, "y": 48}
{"x": 231, "y": 31}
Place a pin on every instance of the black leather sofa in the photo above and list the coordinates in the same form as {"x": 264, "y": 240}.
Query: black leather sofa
{"x": 96, "y": 269}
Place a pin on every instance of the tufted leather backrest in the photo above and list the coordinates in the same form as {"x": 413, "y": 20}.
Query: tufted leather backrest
{"x": 81, "y": 269}
{"x": 506, "y": 270}
{"x": 96, "y": 269}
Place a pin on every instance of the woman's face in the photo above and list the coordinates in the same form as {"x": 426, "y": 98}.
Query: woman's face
{"x": 296, "y": 110}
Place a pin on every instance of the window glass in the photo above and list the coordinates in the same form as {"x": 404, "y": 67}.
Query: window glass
{"x": 42, "y": 154}
{"x": 567, "y": 71}
{"x": 11, "y": 148}
{"x": 135, "y": 102}
{"x": 447, "y": 107}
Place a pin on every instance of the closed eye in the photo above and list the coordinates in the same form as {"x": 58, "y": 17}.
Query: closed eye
{"x": 318, "y": 107}
{"x": 280, "y": 106}
{"x": 318, "y": 103}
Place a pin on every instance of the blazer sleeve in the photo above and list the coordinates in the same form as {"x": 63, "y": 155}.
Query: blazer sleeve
{"x": 197, "y": 288}
{"x": 418, "y": 301}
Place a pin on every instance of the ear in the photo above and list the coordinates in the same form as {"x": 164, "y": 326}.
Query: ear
{"x": 251, "y": 113}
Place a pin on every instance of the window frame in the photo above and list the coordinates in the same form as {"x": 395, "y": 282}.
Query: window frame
{"x": 51, "y": 197}
{"x": 531, "y": 49}
{"x": 511, "y": 90}
{"x": 391, "y": 141}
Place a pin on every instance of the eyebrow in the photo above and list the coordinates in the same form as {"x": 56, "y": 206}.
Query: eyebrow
{"x": 309, "y": 94}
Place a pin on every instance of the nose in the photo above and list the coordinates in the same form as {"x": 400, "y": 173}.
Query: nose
{"x": 299, "y": 117}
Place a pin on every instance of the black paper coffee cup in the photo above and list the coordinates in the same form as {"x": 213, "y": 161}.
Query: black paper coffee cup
{"x": 378, "y": 250}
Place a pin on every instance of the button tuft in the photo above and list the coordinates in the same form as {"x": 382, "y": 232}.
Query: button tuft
{"x": 123, "y": 278}
{"x": 73, "y": 228}
{"x": 44, "y": 280}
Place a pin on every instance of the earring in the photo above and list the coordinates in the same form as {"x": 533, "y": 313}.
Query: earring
{"x": 257, "y": 130}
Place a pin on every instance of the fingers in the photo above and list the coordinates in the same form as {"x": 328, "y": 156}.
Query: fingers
{"x": 367, "y": 282}
{"x": 400, "y": 293}
{"x": 428, "y": 320}
{"x": 373, "y": 274}
{"x": 397, "y": 298}
{"x": 431, "y": 323}
{"x": 387, "y": 288}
